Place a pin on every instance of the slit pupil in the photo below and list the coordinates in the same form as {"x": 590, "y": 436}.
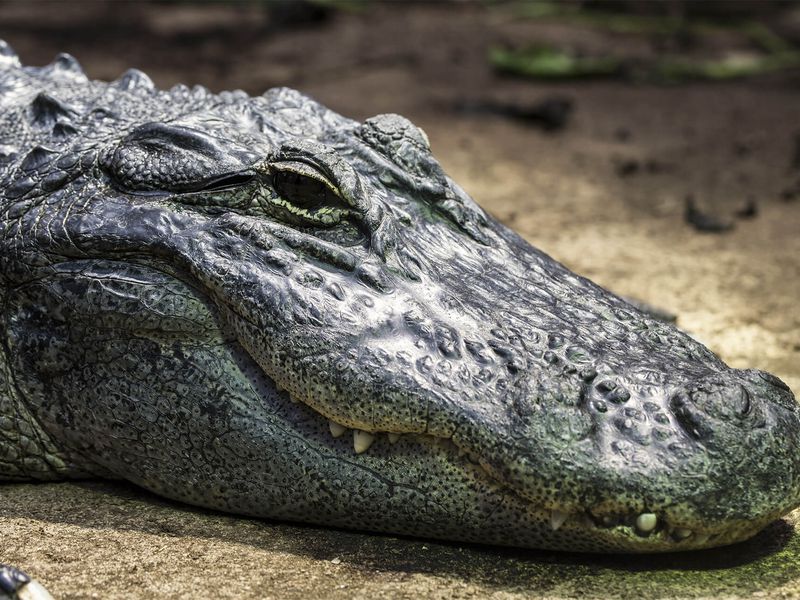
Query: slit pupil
{"x": 303, "y": 191}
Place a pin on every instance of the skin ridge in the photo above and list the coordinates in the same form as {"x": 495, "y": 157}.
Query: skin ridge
{"x": 256, "y": 305}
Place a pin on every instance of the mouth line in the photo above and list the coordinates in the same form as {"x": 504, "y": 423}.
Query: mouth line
{"x": 645, "y": 528}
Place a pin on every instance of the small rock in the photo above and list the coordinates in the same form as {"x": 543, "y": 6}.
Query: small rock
{"x": 622, "y": 134}
{"x": 749, "y": 210}
{"x": 741, "y": 149}
{"x": 796, "y": 156}
{"x": 654, "y": 167}
{"x": 631, "y": 166}
{"x": 791, "y": 193}
{"x": 627, "y": 167}
{"x": 550, "y": 113}
{"x": 702, "y": 221}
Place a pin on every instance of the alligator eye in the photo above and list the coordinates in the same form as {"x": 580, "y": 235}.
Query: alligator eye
{"x": 306, "y": 196}
{"x": 304, "y": 191}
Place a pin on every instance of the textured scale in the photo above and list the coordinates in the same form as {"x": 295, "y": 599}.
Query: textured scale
{"x": 202, "y": 293}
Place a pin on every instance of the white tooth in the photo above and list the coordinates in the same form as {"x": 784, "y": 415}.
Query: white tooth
{"x": 646, "y": 522}
{"x": 701, "y": 538}
{"x": 682, "y": 533}
{"x": 362, "y": 440}
{"x": 336, "y": 429}
{"x": 33, "y": 591}
{"x": 557, "y": 519}
{"x": 393, "y": 437}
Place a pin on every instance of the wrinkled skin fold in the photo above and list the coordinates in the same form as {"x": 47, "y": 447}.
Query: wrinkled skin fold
{"x": 256, "y": 305}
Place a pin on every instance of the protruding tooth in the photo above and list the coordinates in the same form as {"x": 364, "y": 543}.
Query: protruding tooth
{"x": 362, "y": 440}
{"x": 646, "y": 522}
{"x": 682, "y": 533}
{"x": 701, "y": 538}
{"x": 557, "y": 519}
{"x": 393, "y": 437}
{"x": 336, "y": 429}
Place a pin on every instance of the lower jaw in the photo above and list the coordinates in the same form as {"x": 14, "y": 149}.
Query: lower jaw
{"x": 582, "y": 530}
{"x": 550, "y": 529}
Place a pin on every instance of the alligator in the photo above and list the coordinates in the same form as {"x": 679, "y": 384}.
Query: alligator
{"x": 256, "y": 305}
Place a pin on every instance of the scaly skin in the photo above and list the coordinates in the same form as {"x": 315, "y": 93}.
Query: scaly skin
{"x": 203, "y": 293}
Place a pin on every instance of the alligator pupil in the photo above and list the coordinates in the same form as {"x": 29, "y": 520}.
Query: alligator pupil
{"x": 303, "y": 191}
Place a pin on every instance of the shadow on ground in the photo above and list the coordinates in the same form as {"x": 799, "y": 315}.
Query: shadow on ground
{"x": 768, "y": 561}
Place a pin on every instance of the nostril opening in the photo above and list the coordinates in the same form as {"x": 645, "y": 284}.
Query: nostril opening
{"x": 689, "y": 417}
{"x": 718, "y": 400}
{"x": 771, "y": 380}
{"x": 768, "y": 391}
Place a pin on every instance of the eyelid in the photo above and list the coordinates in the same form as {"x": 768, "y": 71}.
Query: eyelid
{"x": 317, "y": 160}
{"x": 306, "y": 170}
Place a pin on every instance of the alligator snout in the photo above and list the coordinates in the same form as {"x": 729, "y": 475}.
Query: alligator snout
{"x": 743, "y": 429}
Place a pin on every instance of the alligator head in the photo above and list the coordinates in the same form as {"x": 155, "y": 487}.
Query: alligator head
{"x": 257, "y": 305}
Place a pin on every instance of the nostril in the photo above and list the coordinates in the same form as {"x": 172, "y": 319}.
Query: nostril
{"x": 768, "y": 378}
{"x": 692, "y": 420}
{"x": 721, "y": 401}
{"x": 769, "y": 389}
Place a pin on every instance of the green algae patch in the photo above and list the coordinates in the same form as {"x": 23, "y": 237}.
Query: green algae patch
{"x": 763, "y": 50}
{"x": 547, "y": 63}
{"x": 543, "y": 62}
{"x": 674, "y": 70}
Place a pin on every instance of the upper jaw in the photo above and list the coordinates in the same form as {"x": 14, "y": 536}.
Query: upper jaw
{"x": 666, "y": 504}
{"x": 582, "y": 470}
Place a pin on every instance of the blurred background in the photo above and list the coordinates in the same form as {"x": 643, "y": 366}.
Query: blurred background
{"x": 653, "y": 146}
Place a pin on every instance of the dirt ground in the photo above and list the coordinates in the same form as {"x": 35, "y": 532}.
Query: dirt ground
{"x": 606, "y": 196}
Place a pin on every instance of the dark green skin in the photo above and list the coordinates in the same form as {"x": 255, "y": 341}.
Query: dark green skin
{"x": 193, "y": 285}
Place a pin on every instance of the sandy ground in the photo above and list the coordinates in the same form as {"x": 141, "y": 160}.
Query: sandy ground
{"x": 725, "y": 144}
